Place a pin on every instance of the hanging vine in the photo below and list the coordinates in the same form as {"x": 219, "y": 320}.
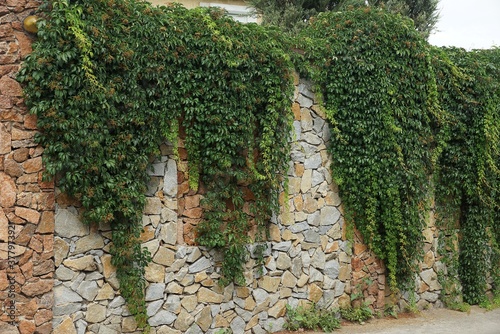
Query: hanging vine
{"x": 375, "y": 76}
{"x": 111, "y": 79}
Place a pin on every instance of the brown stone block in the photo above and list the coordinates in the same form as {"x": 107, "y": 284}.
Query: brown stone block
{"x": 45, "y": 184}
{"x": 20, "y": 134}
{"x": 359, "y": 248}
{"x": 28, "y": 309}
{"x": 26, "y": 257}
{"x": 30, "y": 121}
{"x": 6, "y": 29}
{"x": 26, "y": 234}
{"x": 47, "y": 222}
{"x": 36, "y": 244}
{"x": 5, "y": 138}
{"x": 12, "y": 168}
{"x": 43, "y": 316}
{"x": 46, "y": 328}
{"x": 33, "y": 165}
{"x": 296, "y": 111}
{"x": 183, "y": 188}
{"x": 29, "y": 215}
{"x": 27, "y": 179}
{"x": 8, "y": 191}
{"x": 193, "y": 213}
{"x": 192, "y": 201}
{"x": 36, "y": 287}
{"x": 26, "y": 327}
{"x": 21, "y": 154}
{"x": 9, "y": 86}
{"x": 24, "y": 43}
{"x": 9, "y": 59}
{"x": 44, "y": 201}
{"x": 36, "y": 151}
{"x": 43, "y": 268}
{"x": 27, "y": 270}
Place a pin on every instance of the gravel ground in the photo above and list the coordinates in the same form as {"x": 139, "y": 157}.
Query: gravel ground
{"x": 435, "y": 321}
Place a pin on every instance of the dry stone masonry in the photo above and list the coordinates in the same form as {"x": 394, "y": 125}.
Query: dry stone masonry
{"x": 307, "y": 260}
{"x": 59, "y": 278}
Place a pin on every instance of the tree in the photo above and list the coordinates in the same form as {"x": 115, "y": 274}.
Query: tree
{"x": 292, "y": 15}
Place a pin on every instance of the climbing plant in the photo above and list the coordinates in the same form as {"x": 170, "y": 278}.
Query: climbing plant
{"x": 110, "y": 80}
{"x": 375, "y": 77}
{"x": 467, "y": 180}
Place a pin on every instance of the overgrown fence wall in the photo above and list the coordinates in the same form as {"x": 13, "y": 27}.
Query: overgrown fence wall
{"x": 63, "y": 281}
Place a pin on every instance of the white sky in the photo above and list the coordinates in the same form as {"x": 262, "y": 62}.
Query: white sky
{"x": 470, "y": 24}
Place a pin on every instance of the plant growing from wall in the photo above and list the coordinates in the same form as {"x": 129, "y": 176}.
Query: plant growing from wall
{"x": 111, "y": 79}
{"x": 467, "y": 180}
{"x": 374, "y": 73}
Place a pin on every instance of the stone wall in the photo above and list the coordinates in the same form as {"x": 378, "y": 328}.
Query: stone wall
{"x": 308, "y": 258}
{"x": 65, "y": 280}
{"x": 26, "y": 202}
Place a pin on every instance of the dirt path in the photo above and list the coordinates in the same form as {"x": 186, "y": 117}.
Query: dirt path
{"x": 436, "y": 321}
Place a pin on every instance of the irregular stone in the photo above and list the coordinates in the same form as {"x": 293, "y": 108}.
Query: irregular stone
{"x": 173, "y": 287}
{"x": 88, "y": 290}
{"x": 95, "y": 313}
{"x": 64, "y": 295}
{"x": 30, "y": 215}
{"x": 153, "y": 307}
{"x": 429, "y": 276}
{"x": 67, "y": 224}
{"x": 332, "y": 268}
{"x": 106, "y": 292}
{"x": 260, "y": 295}
{"x": 208, "y": 296}
{"x": 313, "y": 162}
{"x": 168, "y": 233}
{"x": 278, "y": 310}
{"x": 128, "y": 324}
{"x": 153, "y": 206}
{"x": 200, "y": 265}
{"x": 318, "y": 259}
{"x": 312, "y": 236}
{"x": 305, "y": 184}
{"x": 315, "y": 275}
{"x": 84, "y": 263}
{"x": 204, "y": 319}
{"x": 163, "y": 317}
{"x": 283, "y": 261}
{"x": 173, "y": 304}
{"x": 89, "y": 242}
{"x": 170, "y": 179}
{"x": 299, "y": 227}
{"x": 270, "y": 284}
{"x": 155, "y": 291}
{"x": 189, "y": 303}
{"x": 329, "y": 215}
{"x": 164, "y": 256}
{"x": 315, "y": 293}
{"x": 238, "y": 325}
{"x": 183, "y": 321}
{"x": 154, "y": 273}
{"x": 282, "y": 246}
{"x": 65, "y": 327}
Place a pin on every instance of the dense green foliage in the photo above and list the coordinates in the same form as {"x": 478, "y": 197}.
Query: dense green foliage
{"x": 293, "y": 15}
{"x": 380, "y": 96}
{"x": 311, "y": 317}
{"x": 111, "y": 79}
{"x": 467, "y": 180}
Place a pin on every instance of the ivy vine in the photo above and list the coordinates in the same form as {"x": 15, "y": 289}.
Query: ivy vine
{"x": 379, "y": 92}
{"x": 467, "y": 180}
{"x": 110, "y": 80}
